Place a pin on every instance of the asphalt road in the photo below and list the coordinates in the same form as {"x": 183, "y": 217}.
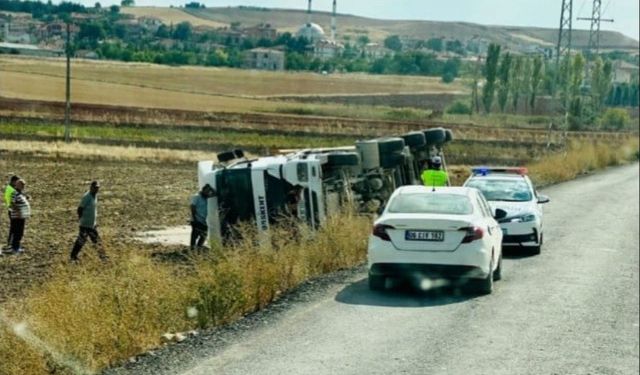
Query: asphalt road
{"x": 571, "y": 310}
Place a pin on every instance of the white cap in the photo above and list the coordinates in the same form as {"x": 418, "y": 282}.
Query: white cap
{"x": 436, "y": 160}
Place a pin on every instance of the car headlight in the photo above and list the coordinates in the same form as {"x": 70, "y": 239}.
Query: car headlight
{"x": 524, "y": 218}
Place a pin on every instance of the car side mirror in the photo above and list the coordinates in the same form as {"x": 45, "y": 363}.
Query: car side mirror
{"x": 542, "y": 199}
{"x": 500, "y": 214}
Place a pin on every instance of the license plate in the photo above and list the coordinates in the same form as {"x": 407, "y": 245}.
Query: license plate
{"x": 505, "y": 231}
{"x": 424, "y": 235}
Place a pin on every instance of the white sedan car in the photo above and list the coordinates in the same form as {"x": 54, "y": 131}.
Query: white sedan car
{"x": 442, "y": 233}
{"x": 511, "y": 190}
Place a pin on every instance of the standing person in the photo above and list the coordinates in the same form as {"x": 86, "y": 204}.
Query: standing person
{"x": 199, "y": 210}
{"x": 8, "y": 193}
{"x": 20, "y": 212}
{"x": 87, "y": 218}
{"x": 434, "y": 176}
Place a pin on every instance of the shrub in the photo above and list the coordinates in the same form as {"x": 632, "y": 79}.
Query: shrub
{"x": 459, "y": 108}
{"x": 615, "y": 119}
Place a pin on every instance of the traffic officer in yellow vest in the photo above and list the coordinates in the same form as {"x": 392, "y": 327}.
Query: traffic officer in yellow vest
{"x": 434, "y": 176}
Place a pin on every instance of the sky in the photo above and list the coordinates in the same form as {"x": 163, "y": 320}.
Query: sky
{"x": 542, "y": 13}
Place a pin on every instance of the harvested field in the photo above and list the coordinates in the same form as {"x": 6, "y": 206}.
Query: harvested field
{"x": 170, "y": 16}
{"x": 134, "y": 197}
{"x": 225, "y": 81}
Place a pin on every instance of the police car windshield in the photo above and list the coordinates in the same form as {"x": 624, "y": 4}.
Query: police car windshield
{"x": 507, "y": 190}
{"x": 448, "y": 204}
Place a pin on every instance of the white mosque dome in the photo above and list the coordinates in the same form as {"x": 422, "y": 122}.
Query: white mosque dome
{"x": 311, "y": 31}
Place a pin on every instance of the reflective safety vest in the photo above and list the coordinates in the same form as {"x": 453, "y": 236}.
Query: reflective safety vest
{"x": 8, "y": 193}
{"x": 434, "y": 177}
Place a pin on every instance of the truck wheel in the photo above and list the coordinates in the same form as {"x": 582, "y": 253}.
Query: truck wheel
{"x": 390, "y": 161}
{"x": 414, "y": 139}
{"x": 390, "y": 145}
{"x": 436, "y": 136}
{"x": 226, "y": 156}
{"x": 344, "y": 159}
{"x": 448, "y": 135}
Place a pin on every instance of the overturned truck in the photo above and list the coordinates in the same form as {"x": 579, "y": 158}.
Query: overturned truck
{"x": 311, "y": 184}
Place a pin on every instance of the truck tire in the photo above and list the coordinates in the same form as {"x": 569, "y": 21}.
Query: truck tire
{"x": 414, "y": 139}
{"x": 390, "y": 161}
{"x": 226, "y": 156}
{"x": 238, "y": 153}
{"x": 390, "y": 145}
{"x": 448, "y": 135}
{"x": 436, "y": 136}
{"x": 344, "y": 159}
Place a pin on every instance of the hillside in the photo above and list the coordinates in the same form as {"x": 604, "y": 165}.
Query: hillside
{"x": 377, "y": 30}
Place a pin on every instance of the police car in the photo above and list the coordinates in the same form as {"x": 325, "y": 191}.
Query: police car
{"x": 511, "y": 190}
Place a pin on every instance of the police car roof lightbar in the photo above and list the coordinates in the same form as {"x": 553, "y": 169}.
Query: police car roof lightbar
{"x": 483, "y": 171}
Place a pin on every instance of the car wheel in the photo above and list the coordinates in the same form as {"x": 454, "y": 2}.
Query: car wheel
{"x": 497, "y": 274}
{"x": 484, "y": 286}
{"x": 376, "y": 282}
{"x": 535, "y": 250}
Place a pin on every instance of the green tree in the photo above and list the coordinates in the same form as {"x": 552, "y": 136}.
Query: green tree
{"x": 490, "y": 74}
{"x": 183, "y": 31}
{"x": 435, "y": 44}
{"x": 363, "y": 40}
{"x": 127, "y": 3}
{"x": 615, "y": 119}
{"x": 601, "y": 81}
{"x": 504, "y": 73}
{"x": 516, "y": 82}
{"x": 536, "y": 77}
{"x": 393, "y": 42}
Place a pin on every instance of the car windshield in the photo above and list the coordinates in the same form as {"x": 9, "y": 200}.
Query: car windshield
{"x": 507, "y": 190}
{"x": 451, "y": 204}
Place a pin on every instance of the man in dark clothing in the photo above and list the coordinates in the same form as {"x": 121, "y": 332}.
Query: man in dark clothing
{"x": 199, "y": 211}
{"x": 87, "y": 217}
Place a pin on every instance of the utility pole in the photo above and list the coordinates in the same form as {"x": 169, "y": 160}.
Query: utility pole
{"x": 594, "y": 32}
{"x": 564, "y": 49}
{"x": 564, "y": 32}
{"x": 67, "y": 108}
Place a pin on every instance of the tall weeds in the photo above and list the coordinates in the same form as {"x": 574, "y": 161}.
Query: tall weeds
{"x": 90, "y": 316}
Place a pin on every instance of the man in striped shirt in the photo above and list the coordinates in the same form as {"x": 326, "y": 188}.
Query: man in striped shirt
{"x": 20, "y": 212}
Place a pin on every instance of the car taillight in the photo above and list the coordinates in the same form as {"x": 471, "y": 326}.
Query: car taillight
{"x": 380, "y": 231}
{"x": 472, "y": 234}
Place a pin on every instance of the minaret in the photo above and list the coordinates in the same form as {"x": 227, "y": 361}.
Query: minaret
{"x": 333, "y": 20}
{"x": 309, "y": 14}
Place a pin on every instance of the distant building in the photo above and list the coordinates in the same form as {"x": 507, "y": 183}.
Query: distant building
{"x": 327, "y": 49}
{"x": 264, "y": 59}
{"x": 262, "y": 31}
{"x": 374, "y": 51}
{"x": 623, "y": 72}
{"x": 28, "y": 49}
{"x": 311, "y": 32}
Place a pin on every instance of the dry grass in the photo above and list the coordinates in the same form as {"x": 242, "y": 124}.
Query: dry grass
{"x": 580, "y": 158}
{"x": 91, "y": 316}
{"x": 97, "y": 153}
{"x": 170, "y": 16}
